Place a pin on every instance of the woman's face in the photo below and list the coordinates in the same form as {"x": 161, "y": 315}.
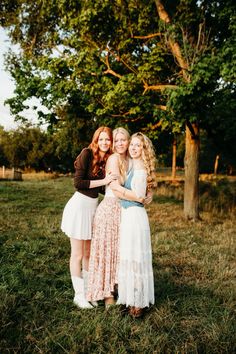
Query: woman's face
{"x": 121, "y": 143}
{"x": 104, "y": 142}
{"x": 135, "y": 148}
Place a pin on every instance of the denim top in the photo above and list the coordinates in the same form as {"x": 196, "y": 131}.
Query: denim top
{"x": 128, "y": 203}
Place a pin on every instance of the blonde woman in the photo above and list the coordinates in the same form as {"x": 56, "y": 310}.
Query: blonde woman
{"x": 106, "y": 227}
{"x": 135, "y": 273}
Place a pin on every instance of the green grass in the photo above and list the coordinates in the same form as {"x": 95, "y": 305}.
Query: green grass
{"x": 194, "y": 267}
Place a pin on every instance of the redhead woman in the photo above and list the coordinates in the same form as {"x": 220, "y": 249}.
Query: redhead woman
{"x": 79, "y": 211}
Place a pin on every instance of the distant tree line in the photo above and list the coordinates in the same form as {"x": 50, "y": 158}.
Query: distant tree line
{"x": 30, "y": 147}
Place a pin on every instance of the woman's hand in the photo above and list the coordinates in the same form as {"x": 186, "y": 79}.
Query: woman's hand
{"x": 141, "y": 200}
{"x": 110, "y": 178}
{"x": 148, "y": 198}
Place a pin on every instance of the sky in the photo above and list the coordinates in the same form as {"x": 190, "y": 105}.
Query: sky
{"x": 7, "y": 87}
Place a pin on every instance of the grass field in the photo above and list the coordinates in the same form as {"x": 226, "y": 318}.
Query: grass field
{"x": 194, "y": 268}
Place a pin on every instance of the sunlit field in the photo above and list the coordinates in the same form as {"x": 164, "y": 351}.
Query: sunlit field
{"x": 194, "y": 269}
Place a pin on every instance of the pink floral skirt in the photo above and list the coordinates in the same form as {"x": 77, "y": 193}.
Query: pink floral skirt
{"x": 104, "y": 254}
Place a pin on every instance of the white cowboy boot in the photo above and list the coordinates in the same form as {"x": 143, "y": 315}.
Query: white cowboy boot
{"x": 79, "y": 298}
{"x": 85, "y": 276}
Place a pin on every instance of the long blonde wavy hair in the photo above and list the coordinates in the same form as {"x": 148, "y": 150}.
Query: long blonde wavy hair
{"x": 148, "y": 157}
{"x": 121, "y": 162}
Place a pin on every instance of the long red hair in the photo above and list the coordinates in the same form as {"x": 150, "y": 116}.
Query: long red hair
{"x": 99, "y": 161}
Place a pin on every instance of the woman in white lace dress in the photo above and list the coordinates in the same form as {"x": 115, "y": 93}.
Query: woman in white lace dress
{"x": 135, "y": 273}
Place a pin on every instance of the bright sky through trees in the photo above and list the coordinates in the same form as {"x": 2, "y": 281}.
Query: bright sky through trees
{"x": 7, "y": 87}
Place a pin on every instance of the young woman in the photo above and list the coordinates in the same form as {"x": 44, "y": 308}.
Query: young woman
{"x": 79, "y": 211}
{"x": 135, "y": 273}
{"x": 106, "y": 228}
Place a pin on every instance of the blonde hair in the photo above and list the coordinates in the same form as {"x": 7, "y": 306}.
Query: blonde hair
{"x": 121, "y": 162}
{"x": 148, "y": 157}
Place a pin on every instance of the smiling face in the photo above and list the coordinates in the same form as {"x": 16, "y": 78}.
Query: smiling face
{"x": 121, "y": 143}
{"x": 104, "y": 142}
{"x": 135, "y": 148}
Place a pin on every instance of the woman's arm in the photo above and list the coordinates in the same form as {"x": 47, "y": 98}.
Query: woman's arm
{"x": 138, "y": 185}
{"x": 83, "y": 164}
{"x": 102, "y": 182}
{"x": 112, "y": 166}
{"x": 125, "y": 193}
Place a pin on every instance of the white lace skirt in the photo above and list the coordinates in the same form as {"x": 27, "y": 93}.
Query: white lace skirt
{"x": 78, "y": 214}
{"x": 135, "y": 275}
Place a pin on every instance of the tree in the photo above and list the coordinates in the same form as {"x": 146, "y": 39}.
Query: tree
{"x": 142, "y": 63}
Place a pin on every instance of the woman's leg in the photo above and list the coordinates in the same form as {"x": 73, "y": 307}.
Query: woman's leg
{"x": 86, "y": 254}
{"x": 109, "y": 301}
{"x": 76, "y": 258}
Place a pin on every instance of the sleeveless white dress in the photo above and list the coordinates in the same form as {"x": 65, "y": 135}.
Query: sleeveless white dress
{"x": 135, "y": 273}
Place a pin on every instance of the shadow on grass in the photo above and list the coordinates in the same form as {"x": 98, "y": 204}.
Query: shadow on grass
{"x": 162, "y": 199}
{"x": 172, "y": 281}
{"x": 192, "y": 313}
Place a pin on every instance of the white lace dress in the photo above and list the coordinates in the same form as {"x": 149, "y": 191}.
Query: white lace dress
{"x": 135, "y": 273}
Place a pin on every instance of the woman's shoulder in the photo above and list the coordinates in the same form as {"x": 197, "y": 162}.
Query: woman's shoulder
{"x": 112, "y": 164}
{"x": 85, "y": 153}
{"x": 140, "y": 172}
{"x": 113, "y": 158}
{"x": 84, "y": 157}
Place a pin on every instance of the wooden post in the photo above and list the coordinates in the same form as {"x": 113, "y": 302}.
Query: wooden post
{"x": 173, "y": 177}
{"x": 3, "y": 171}
{"x": 216, "y": 164}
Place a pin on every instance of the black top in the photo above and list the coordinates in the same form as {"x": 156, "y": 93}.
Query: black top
{"x": 83, "y": 174}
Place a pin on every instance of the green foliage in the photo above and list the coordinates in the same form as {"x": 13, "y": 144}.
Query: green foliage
{"x": 25, "y": 147}
{"x": 112, "y": 57}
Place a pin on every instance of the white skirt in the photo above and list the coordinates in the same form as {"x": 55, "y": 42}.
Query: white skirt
{"x": 78, "y": 214}
{"x": 135, "y": 274}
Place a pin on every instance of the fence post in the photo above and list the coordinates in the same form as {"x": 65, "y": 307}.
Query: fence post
{"x": 3, "y": 171}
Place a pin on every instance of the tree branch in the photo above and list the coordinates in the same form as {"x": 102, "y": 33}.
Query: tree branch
{"x": 162, "y": 107}
{"x": 162, "y": 12}
{"x": 174, "y": 45}
{"x": 109, "y": 70}
{"x": 118, "y": 58}
{"x": 192, "y": 131}
{"x": 120, "y": 115}
{"x": 159, "y": 87}
{"x": 148, "y": 36}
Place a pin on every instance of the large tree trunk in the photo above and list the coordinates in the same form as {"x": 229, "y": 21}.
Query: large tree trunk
{"x": 191, "y": 198}
{"x": 191, "y": 164}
